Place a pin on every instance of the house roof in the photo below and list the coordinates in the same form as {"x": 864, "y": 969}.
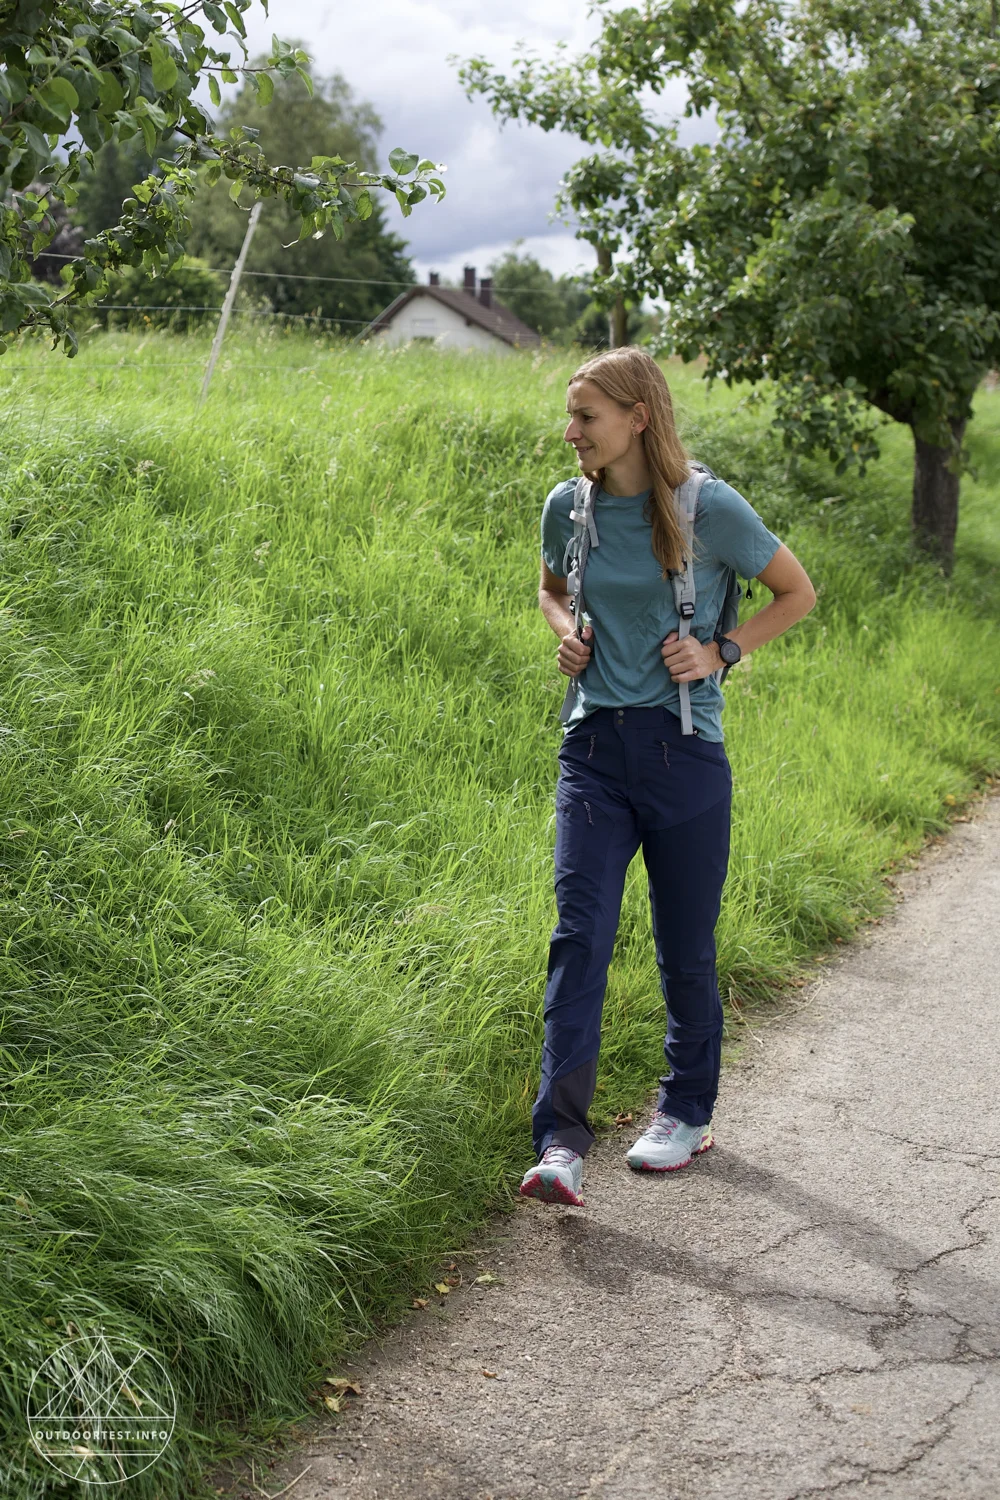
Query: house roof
{"x": 497, "y": 319}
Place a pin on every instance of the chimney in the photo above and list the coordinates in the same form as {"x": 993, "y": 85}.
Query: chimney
{"x": 470, "y": 281}
{"x": 434, "y": 279}
{"x": 486, "y": 291}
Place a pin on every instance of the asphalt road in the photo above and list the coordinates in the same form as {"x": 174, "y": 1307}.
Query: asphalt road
{"x": 811, "y": 1308}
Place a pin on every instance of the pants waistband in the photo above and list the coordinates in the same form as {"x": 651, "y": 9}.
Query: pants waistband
{"x": 645, "y": 717}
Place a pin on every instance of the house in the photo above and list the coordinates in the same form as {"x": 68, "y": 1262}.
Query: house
{"x": 452, "y": 319}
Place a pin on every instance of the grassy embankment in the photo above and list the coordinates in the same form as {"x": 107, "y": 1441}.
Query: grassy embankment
{"x": 279, "y": 728}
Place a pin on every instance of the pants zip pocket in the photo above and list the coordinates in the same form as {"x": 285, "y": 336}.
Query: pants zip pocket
{"x": 666, "y": 762}
{"x": 590, "y": 752}
{"x": 589, "y": 818}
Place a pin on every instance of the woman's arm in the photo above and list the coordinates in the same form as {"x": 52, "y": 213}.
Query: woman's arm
{"x": 688, "y": 660}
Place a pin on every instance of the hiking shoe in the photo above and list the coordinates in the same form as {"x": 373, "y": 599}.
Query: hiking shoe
{"x": 557, "y": 1178}
{"x": 668, "y": 1144}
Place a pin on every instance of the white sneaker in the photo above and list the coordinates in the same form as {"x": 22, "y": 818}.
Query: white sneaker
{"x": 557, "y": 1178}
{"x": 668, "y": 1144}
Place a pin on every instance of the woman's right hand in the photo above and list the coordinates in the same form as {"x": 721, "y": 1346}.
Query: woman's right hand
{"x": 573, "y": 655}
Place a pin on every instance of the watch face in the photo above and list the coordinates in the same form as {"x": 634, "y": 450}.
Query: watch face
{"x": 729, "y": 651}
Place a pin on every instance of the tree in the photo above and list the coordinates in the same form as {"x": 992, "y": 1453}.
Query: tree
{"x": 841, "y": 237}
{"x": 80, "y": 73}
{"x": 546, "y": 303}
{"x": 298, "y": 123}
{"x": 564, "y": 308}
{"x": 103, "y": 187}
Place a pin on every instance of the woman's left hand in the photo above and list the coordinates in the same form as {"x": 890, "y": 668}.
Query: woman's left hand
{"x": 688, "y": 660}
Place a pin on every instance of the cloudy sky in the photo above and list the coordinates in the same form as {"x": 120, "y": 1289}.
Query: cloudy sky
{"x": 501, "y": 180}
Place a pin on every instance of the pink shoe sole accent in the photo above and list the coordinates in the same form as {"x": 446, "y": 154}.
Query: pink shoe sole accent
{"x": 647, "y": 1166}
{"x": 549, "y": 1190}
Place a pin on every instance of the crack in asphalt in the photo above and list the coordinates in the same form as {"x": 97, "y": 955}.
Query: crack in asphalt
{"x": 870, "y": 1470}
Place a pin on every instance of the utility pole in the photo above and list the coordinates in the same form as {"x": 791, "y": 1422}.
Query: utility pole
{"x": 234, "y": 286}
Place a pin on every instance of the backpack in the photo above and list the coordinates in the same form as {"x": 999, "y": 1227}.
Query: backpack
{"x": 575, "y": 562}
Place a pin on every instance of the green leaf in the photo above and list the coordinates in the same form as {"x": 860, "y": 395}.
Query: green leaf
{"x": 60, "y": 98}
{"x": 402, "y": 162}
{"x": 235, "y": 17}
{"x": 148, "y": 132}
{"x": 265, "y": 88}
{"x": 236, "y": 189}
{"x": 216, "y": 15}
{"x": 36, "y": 140}
{"x": 164, "y": 67}
{"x": 13, "y": 85}
{"x": 228, "y": 76}
{"x": 306, "y": 77}
{"x": 90, "y": 127}
{"x": 112, "y": 98}
{"x": 214, "y": 90}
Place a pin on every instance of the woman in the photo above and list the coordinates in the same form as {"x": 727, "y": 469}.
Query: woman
{"x": 628, "y": 776}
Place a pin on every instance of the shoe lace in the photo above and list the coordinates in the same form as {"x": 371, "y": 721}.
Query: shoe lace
{"x": 663, "y": 1125}
{"x": 559, "y": 1156}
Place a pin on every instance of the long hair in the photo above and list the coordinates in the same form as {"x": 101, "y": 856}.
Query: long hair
{"x": 629, "y": 375}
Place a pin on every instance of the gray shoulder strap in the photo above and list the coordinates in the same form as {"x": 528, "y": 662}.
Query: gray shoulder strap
{"x": 683, "y": 582}
{"x": 574, "y": 567}
{"x": 582, "y": 516}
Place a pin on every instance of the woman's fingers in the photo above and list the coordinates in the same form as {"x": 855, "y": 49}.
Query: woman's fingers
{"x": 573, "y": 655}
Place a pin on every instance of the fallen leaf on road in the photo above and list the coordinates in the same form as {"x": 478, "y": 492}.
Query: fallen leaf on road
{"x": 487, "y": 1279}
{"x": 332, "y": 1403}
{"x": 623, "y": 1119}
{"x": 342, "y": 1386}
{"x": 442, "y": 1287}
{"x": 492, "y": 1374}
{"x": 420, "y": 1302}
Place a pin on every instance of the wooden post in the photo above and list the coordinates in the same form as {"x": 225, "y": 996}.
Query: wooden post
{"x": 234, "y": 286}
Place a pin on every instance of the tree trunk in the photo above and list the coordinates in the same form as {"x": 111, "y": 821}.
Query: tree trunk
{"x": 935, "y": 497}
{"x": 619, "y": 323}
{"x": 617, "y": 316}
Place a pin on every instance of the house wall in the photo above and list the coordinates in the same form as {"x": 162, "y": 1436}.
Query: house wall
{"x": 424, "y": 317}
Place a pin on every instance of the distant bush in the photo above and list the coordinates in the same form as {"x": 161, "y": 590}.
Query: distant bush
{"x": 183, "y": 298}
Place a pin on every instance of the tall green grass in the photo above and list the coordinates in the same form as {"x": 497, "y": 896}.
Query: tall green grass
{"x": 278, "y": 740}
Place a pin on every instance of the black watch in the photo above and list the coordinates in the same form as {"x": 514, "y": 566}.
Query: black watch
{"x": 728, "y": 650}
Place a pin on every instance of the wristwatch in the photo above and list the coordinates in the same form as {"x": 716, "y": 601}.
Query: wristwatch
{"x": 728, "y": 650}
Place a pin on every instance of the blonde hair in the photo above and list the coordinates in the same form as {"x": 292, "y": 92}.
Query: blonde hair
{"x": 629, "y": 375}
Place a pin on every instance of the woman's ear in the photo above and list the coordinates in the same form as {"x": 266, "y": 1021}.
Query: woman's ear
{"x": 640, "y": 417}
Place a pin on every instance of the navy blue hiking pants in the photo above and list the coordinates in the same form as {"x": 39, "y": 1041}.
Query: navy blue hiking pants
{"x": 628, "y": 777}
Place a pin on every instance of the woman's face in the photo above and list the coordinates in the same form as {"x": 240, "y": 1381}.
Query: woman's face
{"x": 600, "y": 430}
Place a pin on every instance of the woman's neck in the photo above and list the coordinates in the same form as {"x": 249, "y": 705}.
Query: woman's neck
{"x": 628, "y": 476}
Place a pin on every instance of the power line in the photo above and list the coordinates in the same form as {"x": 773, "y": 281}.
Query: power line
{"x": 352, "y": 280}
{"x": 246, "y": 312}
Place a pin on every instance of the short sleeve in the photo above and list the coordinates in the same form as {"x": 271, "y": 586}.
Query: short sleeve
{"x": 736, "y": 533}
{"x": 556, "y": 526}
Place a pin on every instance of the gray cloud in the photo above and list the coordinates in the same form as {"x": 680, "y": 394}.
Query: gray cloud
{"x": 501, "y": 181}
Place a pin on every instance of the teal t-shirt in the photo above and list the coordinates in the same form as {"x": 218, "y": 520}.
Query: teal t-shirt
{"x": 630, "y": 604}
